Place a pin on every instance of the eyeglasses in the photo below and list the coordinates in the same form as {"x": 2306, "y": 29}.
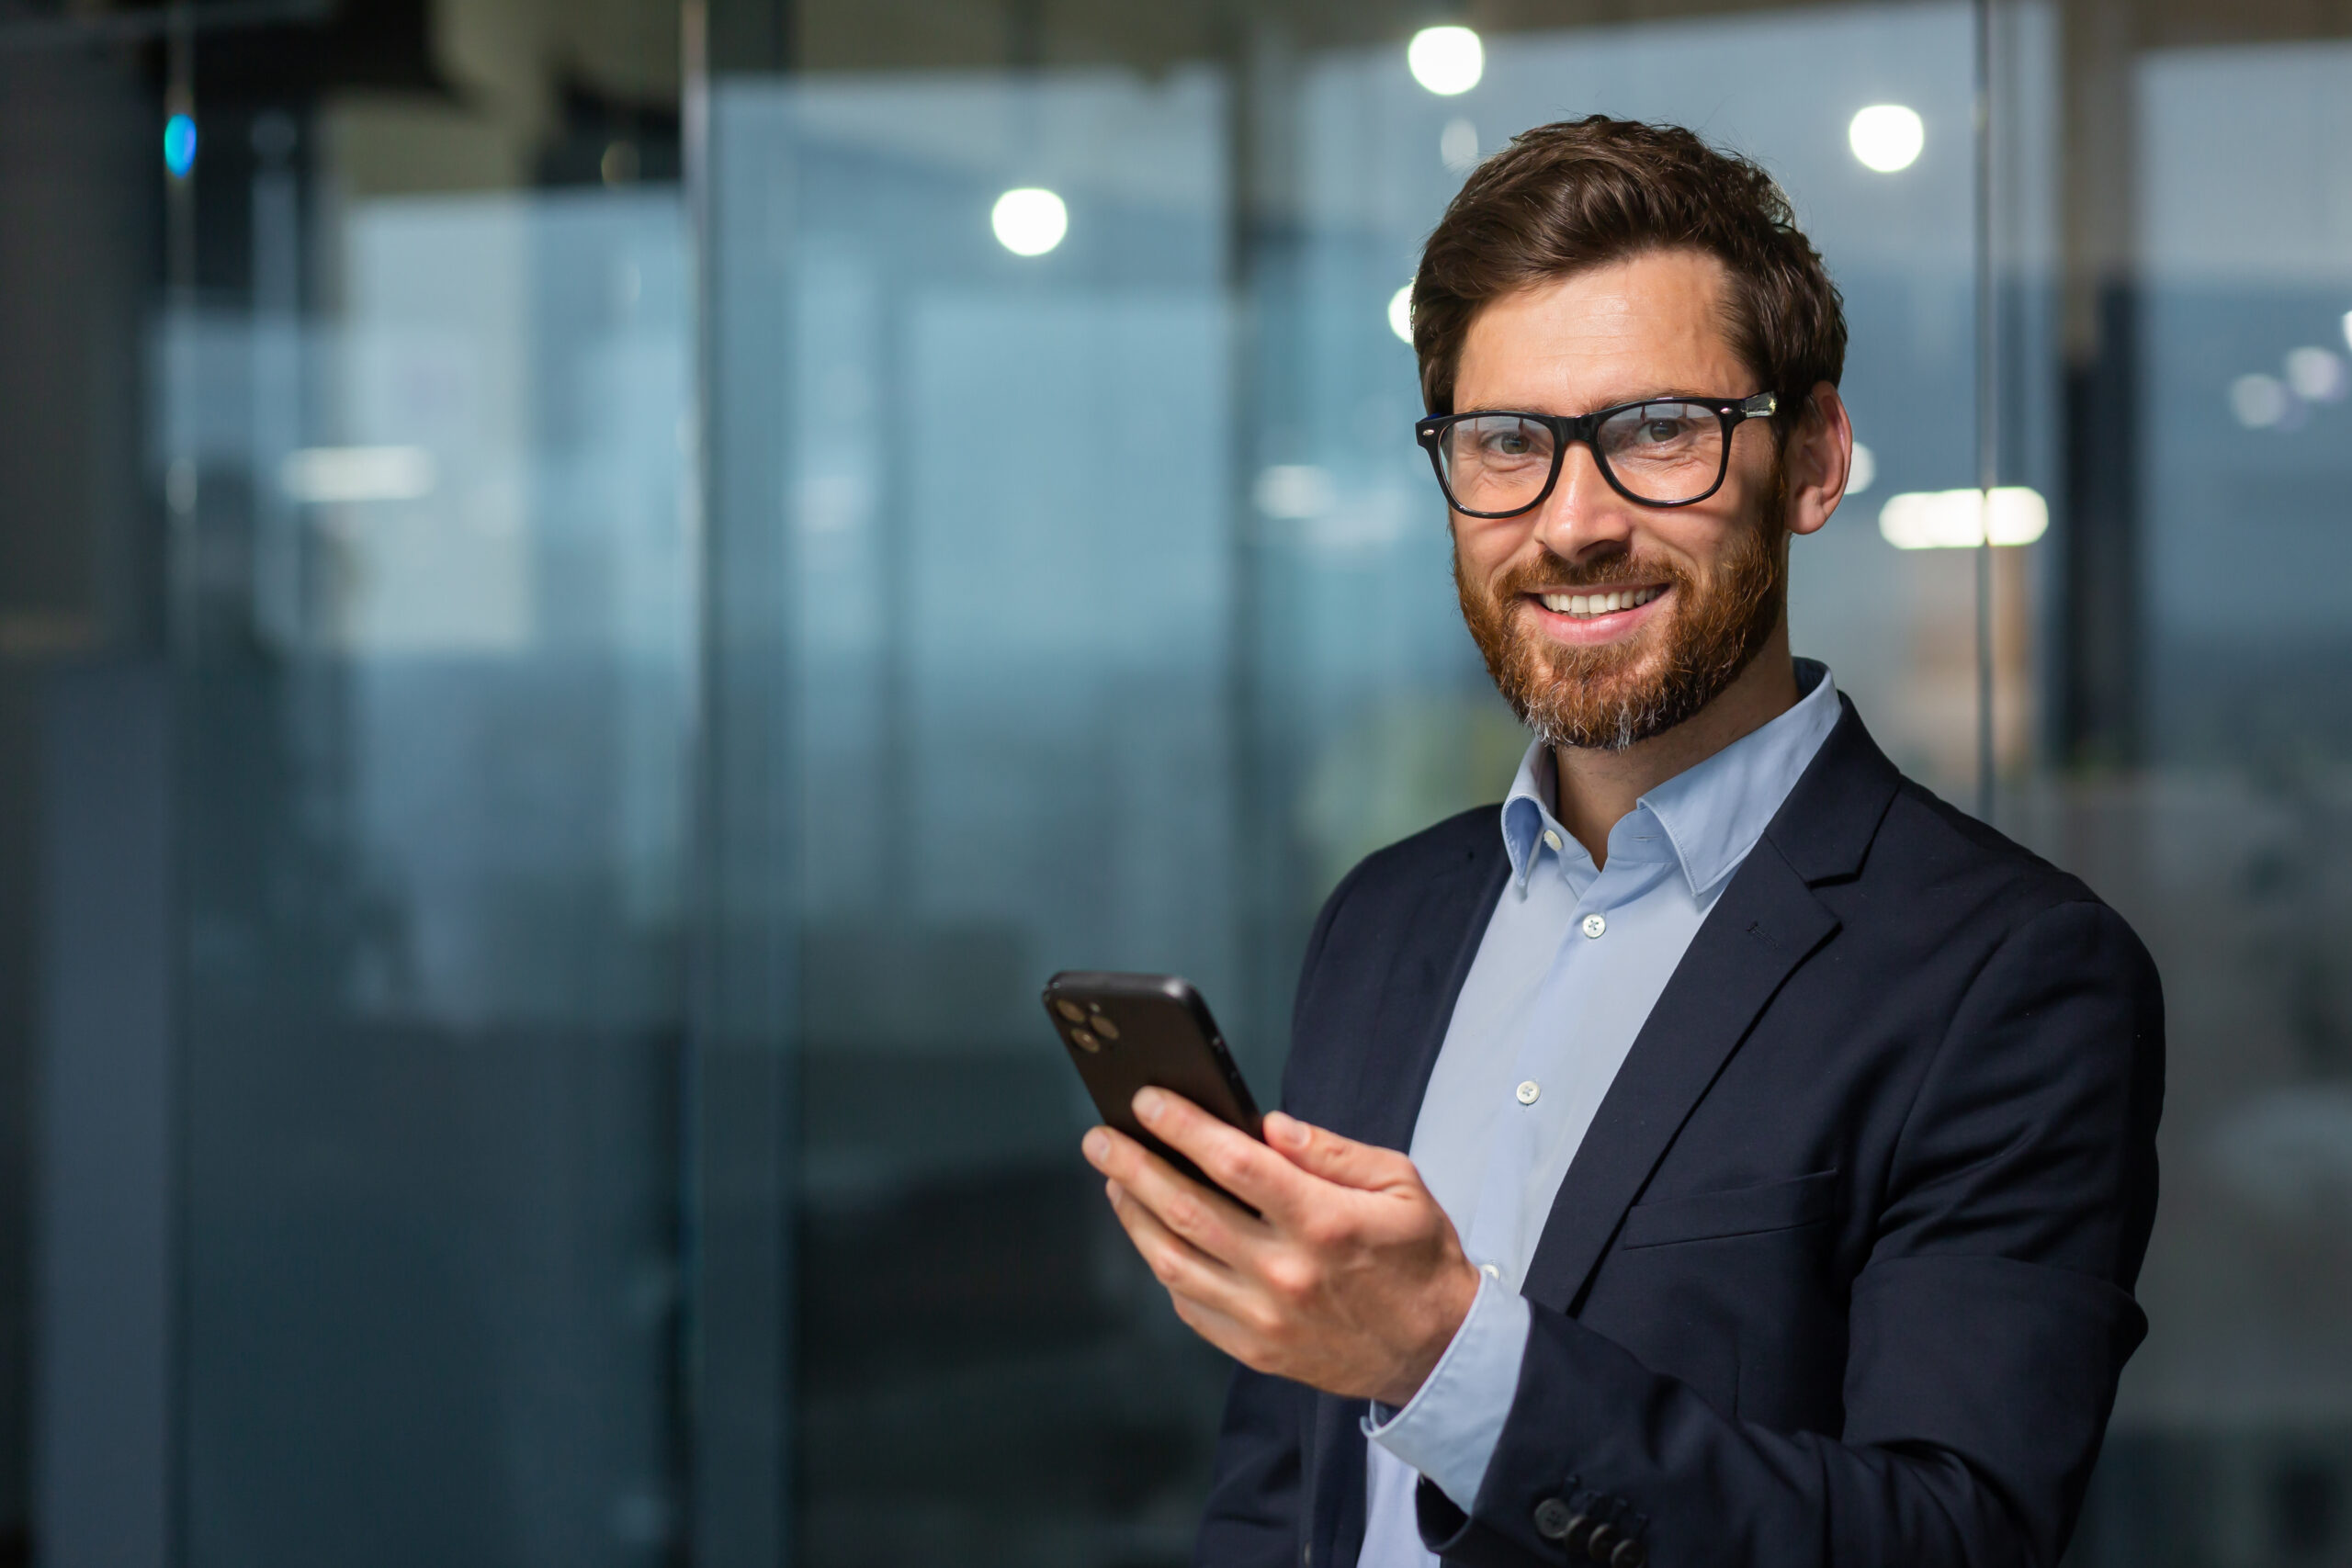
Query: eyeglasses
{"x": 1659, "y": 452}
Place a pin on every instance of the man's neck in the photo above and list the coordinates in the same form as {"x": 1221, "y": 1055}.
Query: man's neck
{"x": 1597, "y": 787}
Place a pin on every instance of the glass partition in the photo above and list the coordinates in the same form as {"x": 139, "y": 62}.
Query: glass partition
{"x": 2215, "y": 814}
{"x": 1005, "y": 483}
{"x": 412, "y": 468}
{"x": 436, "y": 682}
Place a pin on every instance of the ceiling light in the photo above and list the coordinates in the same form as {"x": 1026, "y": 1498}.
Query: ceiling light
{"x": 1863, "y": 472}
{"x": 2259, "y": 401}
{"x": 1029, "y": 222}
{"x": 2317, "y": 375}
{"x": 1959, "y": 519}
{"x": 1887, "y": 137}
{"x": 1294, "y": 491}
{"x": 1457, "y": 144}
{"x": 1400, "y": 313}
{"x": 327, "y": 475}
{"x": 1446, "y": 61}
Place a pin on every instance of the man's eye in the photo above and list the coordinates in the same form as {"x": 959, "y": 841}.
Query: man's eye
{"x": 1657, "y": 431}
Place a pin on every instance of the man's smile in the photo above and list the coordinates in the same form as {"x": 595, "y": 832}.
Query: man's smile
{"x": 1593, "y": 615}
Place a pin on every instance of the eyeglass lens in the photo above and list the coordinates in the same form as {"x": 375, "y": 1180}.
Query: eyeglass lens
{"x": 1665, "y": 452}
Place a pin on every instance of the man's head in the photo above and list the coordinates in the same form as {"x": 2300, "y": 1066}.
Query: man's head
{"x": 1602, "y": 263}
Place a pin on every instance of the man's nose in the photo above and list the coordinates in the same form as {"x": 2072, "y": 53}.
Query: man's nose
{"x": 1583, "y": 515}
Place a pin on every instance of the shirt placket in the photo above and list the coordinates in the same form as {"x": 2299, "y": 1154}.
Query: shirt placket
{"x": 1499, "y": 1230}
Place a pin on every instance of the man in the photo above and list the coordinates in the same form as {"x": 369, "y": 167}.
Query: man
{"x": 1781, "y": 1140}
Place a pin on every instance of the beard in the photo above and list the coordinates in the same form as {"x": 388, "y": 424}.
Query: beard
{"x": 1613, "y": 695}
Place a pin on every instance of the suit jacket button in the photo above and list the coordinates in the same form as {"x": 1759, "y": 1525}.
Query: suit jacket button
{"x": 1553, "y": 1518}
{"x": 1629, "y": 1554}
{"x": 1601, "y": 1543}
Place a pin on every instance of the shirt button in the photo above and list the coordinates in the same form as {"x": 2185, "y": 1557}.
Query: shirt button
{"x": 1490, "y": 1271}
{"x": 1528, "y": 1091}
{"x": 1551, "y": 838}
{"x": 1594, "y": 924}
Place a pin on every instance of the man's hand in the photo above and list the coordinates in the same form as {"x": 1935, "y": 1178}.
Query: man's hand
{"x": 1353, "y": 1281}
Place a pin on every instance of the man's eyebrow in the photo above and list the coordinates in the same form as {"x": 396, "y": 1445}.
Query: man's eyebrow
{"x": 1658, "y": 397}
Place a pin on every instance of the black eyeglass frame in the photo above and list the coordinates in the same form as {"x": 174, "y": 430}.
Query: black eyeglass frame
{"x": 1566, "y": 430}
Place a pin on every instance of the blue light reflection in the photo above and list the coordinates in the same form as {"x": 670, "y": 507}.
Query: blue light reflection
{"x": 179, "y": 145}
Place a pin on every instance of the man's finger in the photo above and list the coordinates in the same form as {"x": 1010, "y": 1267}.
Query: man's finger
{"x": 1230, "y": 1158}
{"x": 1189, "y": 1273}
{"x": 1340, "y": 1160}
{"x": 1202, "y": 1216}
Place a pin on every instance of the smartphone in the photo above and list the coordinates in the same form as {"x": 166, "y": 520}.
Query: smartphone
{"x": 1125, "y": 1032}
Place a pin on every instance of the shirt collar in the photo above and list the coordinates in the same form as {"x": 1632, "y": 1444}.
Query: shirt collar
{"x": 1713, "y": 812}
{"x": 1527, "y": 810}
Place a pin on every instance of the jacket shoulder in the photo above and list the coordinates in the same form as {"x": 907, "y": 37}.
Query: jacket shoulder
{"x": 1390, "y": 881}
{"x": 1397, "y": 899}
{"x": 1460, "y": 838}
{"x": 1931, "y": 834}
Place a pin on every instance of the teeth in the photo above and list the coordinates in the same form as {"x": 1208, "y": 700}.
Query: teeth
{"x": 1589, "y": 605}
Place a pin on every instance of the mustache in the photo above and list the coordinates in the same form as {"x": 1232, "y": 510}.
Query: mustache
{"x": 1551, "y": 571}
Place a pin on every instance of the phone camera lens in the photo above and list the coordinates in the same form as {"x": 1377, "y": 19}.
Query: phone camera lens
{"x": 1085, "y": 1041}
{"x": 1069, "y": 1010}
{"x": 1102, "y": 1025}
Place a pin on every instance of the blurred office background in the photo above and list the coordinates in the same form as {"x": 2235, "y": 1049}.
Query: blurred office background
{"x": 592, "y": 593}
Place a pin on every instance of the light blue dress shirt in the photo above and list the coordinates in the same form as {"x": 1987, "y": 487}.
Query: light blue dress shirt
{"x": 1573, "y": 959}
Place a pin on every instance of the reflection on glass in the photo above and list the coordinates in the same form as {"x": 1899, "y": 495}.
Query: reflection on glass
{"x": 179, "y": 145}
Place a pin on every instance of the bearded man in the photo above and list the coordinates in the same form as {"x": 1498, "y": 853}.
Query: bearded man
{"x": 1740, "y": 1157}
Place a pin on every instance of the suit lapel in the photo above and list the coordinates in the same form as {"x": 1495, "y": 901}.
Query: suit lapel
{"x": 1418, "y": 1000}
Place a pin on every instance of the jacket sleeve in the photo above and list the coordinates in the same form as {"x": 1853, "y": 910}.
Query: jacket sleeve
{"x": 1987, "y": 1327}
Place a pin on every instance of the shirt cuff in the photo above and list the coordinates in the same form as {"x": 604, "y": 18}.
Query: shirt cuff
{"x": 1449, "y": 1431}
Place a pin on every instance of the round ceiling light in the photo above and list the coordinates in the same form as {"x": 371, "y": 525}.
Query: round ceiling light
{"x": 1887, "y": 137}
{"x": 1446, "y": 61}
{"x": 1029, "y": 220}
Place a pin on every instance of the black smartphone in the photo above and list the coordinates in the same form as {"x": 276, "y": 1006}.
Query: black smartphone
{"x": 1126, "y": 1031}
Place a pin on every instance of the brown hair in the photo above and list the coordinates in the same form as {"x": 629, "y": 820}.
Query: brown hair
{"x": 1586, "y": 192}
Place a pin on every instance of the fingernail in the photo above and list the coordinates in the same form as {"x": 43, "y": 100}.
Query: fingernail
{"x": 1150, "y": 1103}
{"x": 1097, "y": 1147}
{"x": 1281, "y": 1129}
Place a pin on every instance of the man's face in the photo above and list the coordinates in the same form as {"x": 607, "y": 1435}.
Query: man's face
{"x": 1704, "y": 584}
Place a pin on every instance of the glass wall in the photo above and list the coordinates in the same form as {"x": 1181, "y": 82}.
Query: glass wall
{"x": 373, "y": 682}
{"x": 2212, "y": 805}
{"x": 592, "y": 597}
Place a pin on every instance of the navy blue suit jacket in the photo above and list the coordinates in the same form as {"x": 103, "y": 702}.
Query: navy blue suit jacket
{"x": 1841, "y": 1273}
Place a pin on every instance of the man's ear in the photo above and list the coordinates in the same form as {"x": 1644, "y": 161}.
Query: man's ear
{"x": 1820, "y": 458}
